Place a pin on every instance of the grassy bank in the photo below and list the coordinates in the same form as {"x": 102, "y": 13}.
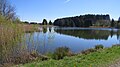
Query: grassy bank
{"x": 100, "y": 58}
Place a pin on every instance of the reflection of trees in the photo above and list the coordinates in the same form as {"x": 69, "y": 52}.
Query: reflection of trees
{"x": 46, "y": 38}
{"x": 50, "y": 30}
{"x": 118, "y": 36}
{"x": 88, "y": 34}
{"x": 112, "y": 33}
{"x": 51, "y": 35}
{"x": 44, "y": 30}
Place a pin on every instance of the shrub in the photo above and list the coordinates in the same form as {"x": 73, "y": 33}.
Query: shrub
{"x": 88, "y": 51}
{"x": 99, "y": 47}
{"x": 61, "y": 52}
{"x": 115, "y": 45}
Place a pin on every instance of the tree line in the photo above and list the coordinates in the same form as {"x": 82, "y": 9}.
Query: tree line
{"x": 44, "y": 22}
{"x": 84, "y": 21}
{"x": 87, "y": 21}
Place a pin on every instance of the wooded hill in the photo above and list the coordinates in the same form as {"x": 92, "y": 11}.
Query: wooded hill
{"x": 84, "y": 21}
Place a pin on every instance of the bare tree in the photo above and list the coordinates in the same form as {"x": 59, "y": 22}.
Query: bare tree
{"x": 7, "y": 10}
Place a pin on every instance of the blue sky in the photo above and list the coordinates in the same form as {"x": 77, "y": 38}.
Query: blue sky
{"x": 37, "y": 10}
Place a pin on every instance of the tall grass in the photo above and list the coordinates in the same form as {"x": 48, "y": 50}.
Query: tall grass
{"x": 10, "y": 35}
{"x": 13, "y": 46}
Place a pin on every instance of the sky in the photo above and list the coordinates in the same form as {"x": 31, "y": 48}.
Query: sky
{"x": 37, "y": 10}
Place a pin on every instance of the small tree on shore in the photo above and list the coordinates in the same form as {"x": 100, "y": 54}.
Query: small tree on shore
{"x": 44, "y": 22}
{"x": 112, "y": 23}
{"x": 50, "y": 23}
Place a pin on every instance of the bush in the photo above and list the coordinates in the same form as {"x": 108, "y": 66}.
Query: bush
{"x": 88, "y": 51}
{"x": 115, "y": 45}
{"x": 61, "y": 52}
{"x": 99, "y": 47}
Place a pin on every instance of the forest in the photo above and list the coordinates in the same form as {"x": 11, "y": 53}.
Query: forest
{"x": 84, "y": 21}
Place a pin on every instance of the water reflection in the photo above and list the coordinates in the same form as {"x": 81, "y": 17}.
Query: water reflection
{"x": 76, "y": 39}
{"x": 89, "y": 34}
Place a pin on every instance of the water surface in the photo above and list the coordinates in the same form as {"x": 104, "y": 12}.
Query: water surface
{"x": 77, "y": 39}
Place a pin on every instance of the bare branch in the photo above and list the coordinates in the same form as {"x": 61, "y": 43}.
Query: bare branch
{"x": 7, "y": 10}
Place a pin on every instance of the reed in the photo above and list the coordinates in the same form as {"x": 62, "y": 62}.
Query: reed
{"x": 10, "y": 36}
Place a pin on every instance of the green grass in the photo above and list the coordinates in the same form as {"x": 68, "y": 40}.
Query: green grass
{"x": 101, "y": 58}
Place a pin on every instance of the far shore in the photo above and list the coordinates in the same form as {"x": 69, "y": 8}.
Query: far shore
{"x": 36, "y": 27}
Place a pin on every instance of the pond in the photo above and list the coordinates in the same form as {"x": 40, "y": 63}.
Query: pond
{"x": 77, "y": 39}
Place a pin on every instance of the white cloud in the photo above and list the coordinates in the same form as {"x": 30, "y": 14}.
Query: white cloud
{"x": 67, "y": 1}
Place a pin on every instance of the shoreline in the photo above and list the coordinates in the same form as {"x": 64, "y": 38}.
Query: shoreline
{"x": 93, "y": 59}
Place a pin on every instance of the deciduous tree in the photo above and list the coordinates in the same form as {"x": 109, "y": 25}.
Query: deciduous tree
{"x": 7, "y": 10}
{"x": 44, "y": 22}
